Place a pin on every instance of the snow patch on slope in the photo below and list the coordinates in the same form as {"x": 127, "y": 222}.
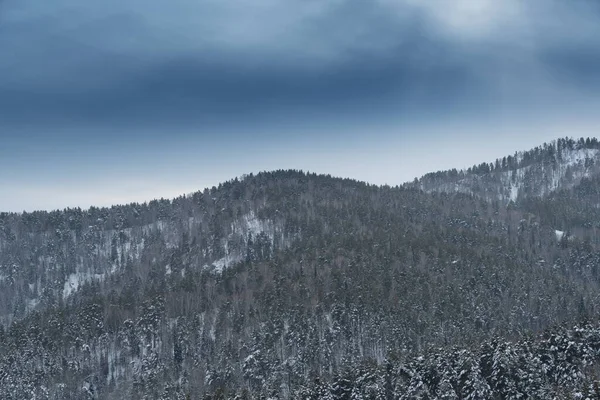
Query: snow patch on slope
{"x": 78, "y": 279}
{"x": 538, "y": 178}
{"x": 249, "y": 225}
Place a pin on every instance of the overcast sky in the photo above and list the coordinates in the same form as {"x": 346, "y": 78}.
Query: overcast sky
{"x": 113, "y": 101}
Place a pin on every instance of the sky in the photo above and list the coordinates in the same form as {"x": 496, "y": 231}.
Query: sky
{"x": 113, "y": 101}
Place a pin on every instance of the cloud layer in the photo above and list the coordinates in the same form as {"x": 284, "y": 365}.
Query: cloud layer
{"x": 201, "y": 60}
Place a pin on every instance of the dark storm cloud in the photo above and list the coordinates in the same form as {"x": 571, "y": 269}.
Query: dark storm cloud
{"x": 189, "y": 87}
{"x": 137, "y": 62}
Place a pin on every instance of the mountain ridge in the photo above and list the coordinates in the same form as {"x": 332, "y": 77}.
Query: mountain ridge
{"x": 562, "y": 163}
{"x": 262, "y": 286}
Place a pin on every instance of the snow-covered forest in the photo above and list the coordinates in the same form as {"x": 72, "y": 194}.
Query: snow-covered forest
{"x": 472, "y": 284}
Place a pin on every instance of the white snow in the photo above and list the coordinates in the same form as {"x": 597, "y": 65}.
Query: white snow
{"x": 514, "y": 192}
{"x": 32, "y": 304}
{"x": 576, "y": 156}
{"x": 249, "y": 224}
{"x": 219, "y": 265}
{"x": 513, "y": 180}
{"x": 549, "y": 177}
{"x": 74, "y": 281}
{"x": 241, "y": 230}
{"x": 559, "y": 235}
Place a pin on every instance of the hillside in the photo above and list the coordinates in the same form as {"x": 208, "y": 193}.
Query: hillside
{"x": 539, "y": 172}
{"x": 278, "y": 283}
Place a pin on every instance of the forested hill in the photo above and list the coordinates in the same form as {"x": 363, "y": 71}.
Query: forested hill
{"x": 561, "y": 164}
{"x": 282, "y": 283}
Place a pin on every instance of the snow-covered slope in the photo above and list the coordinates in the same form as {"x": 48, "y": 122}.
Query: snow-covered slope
{"x": 244, "y": 233}
{"x": 538, "y": 172}
{"x": 101, "y": 256}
